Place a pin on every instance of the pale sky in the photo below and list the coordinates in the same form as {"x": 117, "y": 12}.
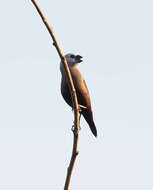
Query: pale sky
{"x": 115, "y": 39}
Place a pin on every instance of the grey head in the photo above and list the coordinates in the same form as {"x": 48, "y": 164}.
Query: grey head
{"x": 72, "y": 60}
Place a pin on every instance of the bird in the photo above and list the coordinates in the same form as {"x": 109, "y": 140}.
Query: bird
{"x": 81, "y": 88}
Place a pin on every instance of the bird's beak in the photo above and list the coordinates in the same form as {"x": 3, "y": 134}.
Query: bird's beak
{"x": 78, "y": 58}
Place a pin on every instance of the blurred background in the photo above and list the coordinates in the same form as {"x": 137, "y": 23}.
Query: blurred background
{"x": 115, "y": 39}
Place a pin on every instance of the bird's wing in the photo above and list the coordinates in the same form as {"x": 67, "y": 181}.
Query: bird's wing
{"x": 65, "y": 91}
{"x": 82, "y": 91}
{"x": 84, "y": 100}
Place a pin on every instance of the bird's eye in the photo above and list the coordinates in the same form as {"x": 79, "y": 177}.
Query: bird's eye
{"x": 72, "y": 56}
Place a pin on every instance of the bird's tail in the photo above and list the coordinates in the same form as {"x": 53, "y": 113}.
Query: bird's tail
{"x": 89, "y": 118}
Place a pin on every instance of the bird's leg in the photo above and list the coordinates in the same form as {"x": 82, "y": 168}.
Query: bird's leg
{"x": 81, "y": 106}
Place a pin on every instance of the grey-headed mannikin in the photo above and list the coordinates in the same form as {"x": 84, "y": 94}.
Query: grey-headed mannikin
{"x": 81, "y": 89}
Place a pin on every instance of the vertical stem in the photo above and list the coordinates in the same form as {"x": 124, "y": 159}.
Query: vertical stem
{"x": 75, "y": 152}
{"x": 73, "y": 93}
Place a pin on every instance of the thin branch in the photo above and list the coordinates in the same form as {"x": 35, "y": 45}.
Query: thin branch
{"x": 76, "y": 127}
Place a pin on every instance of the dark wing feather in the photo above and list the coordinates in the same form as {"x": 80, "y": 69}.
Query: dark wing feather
{"x": 65, "y": 91}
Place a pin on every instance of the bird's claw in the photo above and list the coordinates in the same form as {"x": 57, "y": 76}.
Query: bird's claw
{"x": 75, "y": 129}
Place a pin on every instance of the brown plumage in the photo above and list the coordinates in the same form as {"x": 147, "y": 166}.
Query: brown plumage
{"x": 81, "y": 90}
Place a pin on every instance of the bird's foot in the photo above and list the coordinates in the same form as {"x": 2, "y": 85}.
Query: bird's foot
{"x": 81, "y": 106}
{"x": 75, "y": 129}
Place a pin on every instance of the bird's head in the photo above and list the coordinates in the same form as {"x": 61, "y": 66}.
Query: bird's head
{"x": 73, "y": 59}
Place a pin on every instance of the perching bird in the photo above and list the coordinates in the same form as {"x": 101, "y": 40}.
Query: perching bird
{"x": 81, "y": 89}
